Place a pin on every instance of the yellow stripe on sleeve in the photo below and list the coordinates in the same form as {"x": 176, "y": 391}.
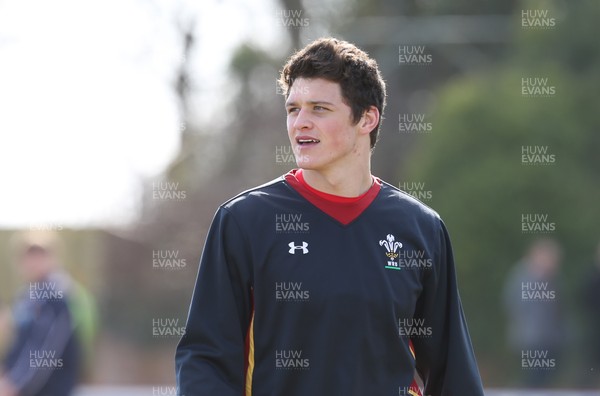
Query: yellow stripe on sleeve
{"x": 250, "y": 370}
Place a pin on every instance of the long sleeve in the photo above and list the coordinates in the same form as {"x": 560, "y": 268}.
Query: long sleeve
{"x": 445, "y": 359}
{"x": 210, "y": 358}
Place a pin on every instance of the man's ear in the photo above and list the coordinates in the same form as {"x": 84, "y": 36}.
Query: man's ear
{"x": 369, "y": 120}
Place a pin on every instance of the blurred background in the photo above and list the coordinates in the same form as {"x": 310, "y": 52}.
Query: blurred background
{"x": 124, "y": 124}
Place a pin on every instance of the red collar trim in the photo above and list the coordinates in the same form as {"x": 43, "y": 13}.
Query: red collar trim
{"x": 343, "y": 209}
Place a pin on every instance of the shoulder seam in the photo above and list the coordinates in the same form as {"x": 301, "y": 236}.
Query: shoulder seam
{"x": 250, "y": 190}
{"x": 411, "y": 197}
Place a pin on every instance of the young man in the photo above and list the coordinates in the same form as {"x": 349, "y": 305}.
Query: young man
{"x": 327, "y": 281}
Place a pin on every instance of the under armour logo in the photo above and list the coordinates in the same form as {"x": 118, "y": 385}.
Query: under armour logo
{"x": 293, "y": 247}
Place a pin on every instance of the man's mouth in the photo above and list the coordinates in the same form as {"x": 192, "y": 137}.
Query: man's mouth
{"x": 307, "y": 141}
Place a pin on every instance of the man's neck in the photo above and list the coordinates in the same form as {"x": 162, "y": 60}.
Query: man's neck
{"x": 343, "y": 183}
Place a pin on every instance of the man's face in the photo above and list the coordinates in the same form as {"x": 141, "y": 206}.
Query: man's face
{"x": 319, "y": 125}
{"x": 36, "y": 266}
{"x": 545, "y": 261}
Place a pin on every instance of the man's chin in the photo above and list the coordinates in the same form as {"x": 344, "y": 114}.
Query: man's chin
{"x": 312, "y": 165}
{"x": 305, "y": 163}
{"x": 307, "y": 166}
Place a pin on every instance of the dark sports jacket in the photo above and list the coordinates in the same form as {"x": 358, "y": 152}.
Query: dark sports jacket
{"x": 296, "y": 296}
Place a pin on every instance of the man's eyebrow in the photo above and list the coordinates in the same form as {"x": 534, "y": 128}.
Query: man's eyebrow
{"x": 312, "y": 102}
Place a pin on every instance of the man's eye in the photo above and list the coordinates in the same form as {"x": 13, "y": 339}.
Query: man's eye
{"x": 292, "y": 110}
{"x": 320, "y": 108}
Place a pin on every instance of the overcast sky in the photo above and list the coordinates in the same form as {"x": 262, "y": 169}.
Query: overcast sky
{"x": 87, "y": 107}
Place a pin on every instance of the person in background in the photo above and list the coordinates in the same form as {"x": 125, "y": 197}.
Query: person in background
{"x": 536, "y": 327}
{"x": 591, "y": 305}
{"x": 45, "y": 356}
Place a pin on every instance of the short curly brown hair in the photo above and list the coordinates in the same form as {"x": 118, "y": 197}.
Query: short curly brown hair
{"x": 344, "y": 63}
